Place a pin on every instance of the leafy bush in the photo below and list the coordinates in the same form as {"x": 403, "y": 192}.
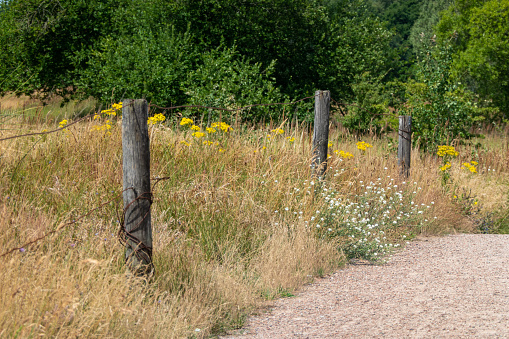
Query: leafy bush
{"x": 442, "y": 110}
{"x": 226, "y": 79}
{"x": 147, "y": 64}
{"x": 370, "y": 111}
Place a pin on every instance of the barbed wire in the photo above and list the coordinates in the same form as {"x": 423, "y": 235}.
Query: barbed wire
{"x": 231, "y": 109}
{"x": 162, "y": 108}
{"x": 140, "y": 250}
{"x": 61, "y": 227}
{"x": 57, "y": 129}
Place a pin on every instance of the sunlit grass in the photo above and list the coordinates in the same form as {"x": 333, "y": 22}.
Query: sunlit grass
{"x": 235, "y": 224}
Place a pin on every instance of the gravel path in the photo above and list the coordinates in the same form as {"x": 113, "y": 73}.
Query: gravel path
{"x": 450, "y": 287}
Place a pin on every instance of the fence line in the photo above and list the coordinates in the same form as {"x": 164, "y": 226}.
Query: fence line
{"x": 139, "y": 246}
{"x": 61, "y": 227}
{"x": 122, "y": 233}
{"x": 190, "y": 106}
{"x": 163, "y": 108}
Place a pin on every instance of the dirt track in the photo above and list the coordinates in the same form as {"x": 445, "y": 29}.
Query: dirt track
{"x": 451, "y": 287}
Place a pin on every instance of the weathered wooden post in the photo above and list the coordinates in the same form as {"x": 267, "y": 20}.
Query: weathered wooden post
{"x": 136, "y": 184}
{"x": 321, "y": 133}
{"x": 405, "y": 144}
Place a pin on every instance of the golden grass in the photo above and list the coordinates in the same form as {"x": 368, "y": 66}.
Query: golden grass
{"x": 220, "y": 249}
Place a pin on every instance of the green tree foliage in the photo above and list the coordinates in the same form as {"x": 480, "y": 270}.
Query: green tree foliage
{"x": 156, "y": 49}
{"x": 358, "y": 44}
{"x": 442, "y": 109}
{"x": 40, "y": 38}
{"x": 223, "y": 79}
{"x": 424, "y": 26}
{"x": 400, "y": 16}
{"x": 480, "y": 33}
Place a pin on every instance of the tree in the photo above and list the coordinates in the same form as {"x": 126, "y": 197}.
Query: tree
{"x": 480, "y": 33}
{"x": 115, "y": 48}
{"x": 424, "y": 26}
{"x": 40, "y": 39}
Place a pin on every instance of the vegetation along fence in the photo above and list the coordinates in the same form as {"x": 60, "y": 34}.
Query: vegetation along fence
{"x": 135, "y": 230}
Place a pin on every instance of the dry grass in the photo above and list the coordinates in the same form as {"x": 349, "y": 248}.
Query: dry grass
{"x": 221, "y": 250}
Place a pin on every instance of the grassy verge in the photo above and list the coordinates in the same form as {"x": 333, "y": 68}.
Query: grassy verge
{"x": 239, "y": 222}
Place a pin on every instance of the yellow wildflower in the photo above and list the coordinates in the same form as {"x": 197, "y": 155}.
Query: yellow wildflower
{"x": 278, "y": 131}
{"x": 290, "y": 139}
{"x": 225, "y": 127}
{"x": 211, "y": 130}
{"x": 447, "y": 150}
{"x": 156, "y": 118}
{"x": 185, "y": 143}
{"x": 62, "y": 123}
{"x": 363, "y": 145}
{"x": 221, "y": 150}
{"x": 185, "y": 121}
{"x": 329, "y": 144}
{"x": 470, "y": 166}
{"x": 208, "y": 143}
{"x": 195, "y": 128}
{"x": 445, "y": 167}
{"x": 198, "y": 135}
{"x": 343, "y": 154}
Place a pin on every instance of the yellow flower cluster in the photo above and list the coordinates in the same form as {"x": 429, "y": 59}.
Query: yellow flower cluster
{"x": 198, "y": 135}
{"x": 185, "y": 121}
{"x": 445, "y": 167}
{"x": 111, "y": 112}
{"x": 62, "y": 123}
{"x": 363, "y": 146}
{"x": 105, "y": 128}
{"x": 277, "y": 131}
{"x": 447, "y": 150}
{"x": 343, "y": 154}
{"x": 290, "y": 139}
{"x": 222, "y": 126}
{"x": 210, "y": 130}
{"x": 329, "y": 144}
{"x": 470, "y": 166}
{"x": 156, "y": 118}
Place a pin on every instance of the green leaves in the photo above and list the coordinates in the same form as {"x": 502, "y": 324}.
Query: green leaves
{"x": 226, "y": 52}
{"x": 226, "y": 79}
{"x": 442, "y": 109}
{"x": 479, "y": 32}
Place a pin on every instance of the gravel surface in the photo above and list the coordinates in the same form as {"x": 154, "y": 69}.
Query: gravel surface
{"x": 450, "y": 287}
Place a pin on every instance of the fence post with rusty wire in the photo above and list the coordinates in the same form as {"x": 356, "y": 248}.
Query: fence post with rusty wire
{"x": 405, "y": 144}
{"x": 137, "y": 196}
{"x": 320, "y": 133}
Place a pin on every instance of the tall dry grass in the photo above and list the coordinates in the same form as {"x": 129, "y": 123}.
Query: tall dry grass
{"x": 220, "y": 248}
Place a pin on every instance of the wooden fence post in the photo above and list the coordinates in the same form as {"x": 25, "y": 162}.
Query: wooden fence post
{"x": 405, "y": 144}
{"x": 137, "y": 194}
{"x": 321, "y": 133}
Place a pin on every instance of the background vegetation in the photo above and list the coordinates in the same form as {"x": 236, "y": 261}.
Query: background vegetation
{"x": 232, "y": 53}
